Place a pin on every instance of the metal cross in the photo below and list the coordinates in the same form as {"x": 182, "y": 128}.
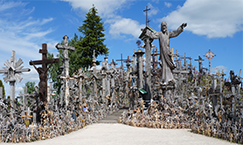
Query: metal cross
{"x": 147, "y": 20}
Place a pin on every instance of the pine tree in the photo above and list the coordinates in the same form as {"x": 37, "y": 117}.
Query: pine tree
{"x": 93, "y": 31}
{"x": 93, "y": 39}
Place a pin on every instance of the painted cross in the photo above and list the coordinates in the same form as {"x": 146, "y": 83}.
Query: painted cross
{"x": 42, "y": 71}
{"x": 209, "y": 56}
{"x": 12, "y": 73}
{"x": 200, "y": 60}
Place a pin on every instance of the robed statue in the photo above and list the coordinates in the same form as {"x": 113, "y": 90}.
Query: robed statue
{"x": 167, "y": 62}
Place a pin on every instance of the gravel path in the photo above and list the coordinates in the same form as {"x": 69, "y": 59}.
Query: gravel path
{"x": 107, "y": 132}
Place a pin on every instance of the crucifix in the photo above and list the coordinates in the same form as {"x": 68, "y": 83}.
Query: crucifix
{"x": 200, "y": 60}
{"x": 42, "y": 71}
{"x": 147, "y": 20}
{"x": 209, "y": 56}
{"x": 12, "y": 73}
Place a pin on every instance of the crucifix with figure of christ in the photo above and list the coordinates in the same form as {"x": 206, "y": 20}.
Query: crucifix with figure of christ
{"x": 42, "y": 71}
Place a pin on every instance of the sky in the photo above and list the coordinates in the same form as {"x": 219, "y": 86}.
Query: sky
{"x": 211, "y": 24}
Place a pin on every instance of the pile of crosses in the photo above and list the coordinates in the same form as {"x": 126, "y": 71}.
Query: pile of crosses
{"x": 206, "y": 103}
{"x": 86, "y": 97}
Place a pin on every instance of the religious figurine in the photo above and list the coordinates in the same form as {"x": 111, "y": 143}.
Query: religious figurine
{"x": 42, "y": 76}
{"x": 167, "y": 62}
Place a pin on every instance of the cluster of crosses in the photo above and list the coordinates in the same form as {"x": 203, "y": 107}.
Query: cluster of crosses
{"x": 89, "y": 95}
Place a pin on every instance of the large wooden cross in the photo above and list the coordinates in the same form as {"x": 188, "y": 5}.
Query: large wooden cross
{"x": 43, "y": 71}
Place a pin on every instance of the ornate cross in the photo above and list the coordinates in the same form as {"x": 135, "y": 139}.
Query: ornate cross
{"x": 209, "y": 56}
{"x": 12, "y": 73}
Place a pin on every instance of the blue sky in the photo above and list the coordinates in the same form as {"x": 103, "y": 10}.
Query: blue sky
{"x": 212, "y": 24}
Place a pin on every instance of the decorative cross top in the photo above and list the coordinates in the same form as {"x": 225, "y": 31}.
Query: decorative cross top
{"x": 209, "y": 56}
{"x": 65, "y": 47}
{"x": 12, "y": 73}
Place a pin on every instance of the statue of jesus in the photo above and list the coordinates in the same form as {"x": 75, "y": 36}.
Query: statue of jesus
{"x": 167, "y": 62}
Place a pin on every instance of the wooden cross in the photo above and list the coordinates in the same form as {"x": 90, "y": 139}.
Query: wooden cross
{"x": 66, "y": 78}
{"x": 80, "y": 76}
{"x": 173, "y": 54}
{"x": 43, "y": 71}
{"x": 26, "y": 118}
{"x": 200, "y": 60}
{"x": 154, "y": 62}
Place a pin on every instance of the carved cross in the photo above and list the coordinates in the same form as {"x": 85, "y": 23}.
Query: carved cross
{"x": 43, "y": 71}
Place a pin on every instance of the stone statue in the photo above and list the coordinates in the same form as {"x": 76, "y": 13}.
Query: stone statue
{"x": 167, "y": 62}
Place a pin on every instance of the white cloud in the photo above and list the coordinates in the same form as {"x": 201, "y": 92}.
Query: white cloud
{"x": 24, "y": 35}
{"x": 212, "y": 18}
{"x": 125, "y": 26}
{"x": 153, "y": 10}
{"x": 219, "y": 68}
{"x": 167, "y": 4}
{"x": 118, "y": 27}
{"x": 106, "y": 8}
{"x": 9, "y": 5}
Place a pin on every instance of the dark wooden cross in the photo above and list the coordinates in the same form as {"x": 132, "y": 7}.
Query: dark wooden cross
{"x": 43, "y": 71}
{"x": 200, "y": 60}
{"x": 147, "y": 20}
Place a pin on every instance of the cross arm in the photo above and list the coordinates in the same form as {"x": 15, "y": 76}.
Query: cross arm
{"x": 23, "y": 70}
{"x": 59, "y": 46}
{"x": 47, "y": 61}
{"x": 3, "y": 71}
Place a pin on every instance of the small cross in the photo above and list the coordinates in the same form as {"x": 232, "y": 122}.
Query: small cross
{"x": 174, "y": 54}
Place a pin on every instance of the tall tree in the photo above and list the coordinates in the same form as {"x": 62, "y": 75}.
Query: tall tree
{"x": 1, "y": 85}
{"x": 93, "y": 32}
{"x": 92, "y": 38}
{"x": 30, "y": 87}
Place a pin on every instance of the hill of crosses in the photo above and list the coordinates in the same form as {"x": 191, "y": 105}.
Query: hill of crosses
{"x": 162, "y": 91}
